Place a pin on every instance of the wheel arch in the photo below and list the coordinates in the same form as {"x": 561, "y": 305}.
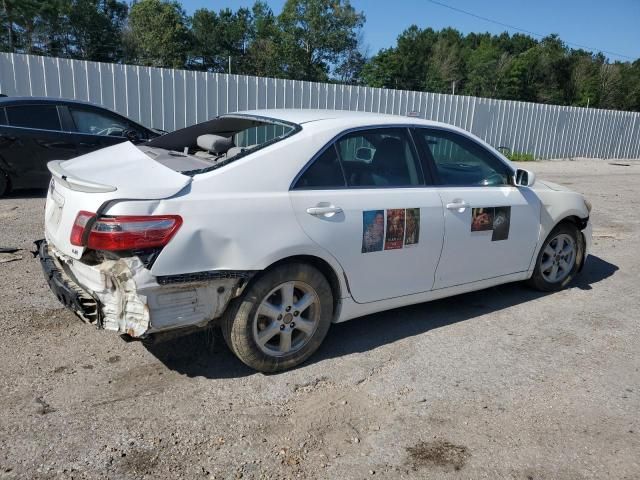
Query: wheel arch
{"x": 333, "y": 277}
{"x": 571, "y": 218}
{"x": 579, "y": 222}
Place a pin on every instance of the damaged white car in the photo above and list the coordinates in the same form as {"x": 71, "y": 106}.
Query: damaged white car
{"x": 277, "y": 223}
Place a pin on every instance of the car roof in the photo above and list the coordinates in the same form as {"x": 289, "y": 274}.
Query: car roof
{"x": 4, "y": 101}
{"x": 13, "y": 101}
{"x": 345, "y": 117}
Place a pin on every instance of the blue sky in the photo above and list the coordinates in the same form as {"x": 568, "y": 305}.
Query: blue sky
{"x": 612, "y": 25}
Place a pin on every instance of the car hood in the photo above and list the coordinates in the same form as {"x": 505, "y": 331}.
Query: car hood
{"x": 546, "y": 185}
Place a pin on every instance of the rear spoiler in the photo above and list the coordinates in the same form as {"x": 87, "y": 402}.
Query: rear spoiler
{"x": 75, "y": 183}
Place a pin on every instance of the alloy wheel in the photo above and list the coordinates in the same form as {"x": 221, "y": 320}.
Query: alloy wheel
{"x": 286, "y": 318}
{"x": 558, "y": 258}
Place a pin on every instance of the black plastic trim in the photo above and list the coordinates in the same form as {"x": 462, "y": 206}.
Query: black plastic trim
{"x": 204, "y": 276}
{"x": 72, "y": 296}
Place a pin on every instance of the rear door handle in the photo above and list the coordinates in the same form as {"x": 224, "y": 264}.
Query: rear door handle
{"x": 328, "y": 211}
{"x": 458, "y": 205}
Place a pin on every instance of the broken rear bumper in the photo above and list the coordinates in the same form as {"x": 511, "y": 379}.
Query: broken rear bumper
{"x": 122, "y": 295}
{"x": 65, "y": 290}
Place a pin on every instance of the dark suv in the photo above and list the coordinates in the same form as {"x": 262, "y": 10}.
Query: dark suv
{"x": 34, "y": 131}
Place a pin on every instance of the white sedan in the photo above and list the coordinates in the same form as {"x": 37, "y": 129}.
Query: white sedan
{"x": 276, "y": 223}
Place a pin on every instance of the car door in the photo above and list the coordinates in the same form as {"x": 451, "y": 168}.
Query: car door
{"x": 97, "y": 128}
{"x": 32, "y": 137}
{"x": 364, "y": 200}
{"x": 491, "y": 225}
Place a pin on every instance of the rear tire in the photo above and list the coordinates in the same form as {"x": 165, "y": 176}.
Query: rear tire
{"x": 559, "y": 260}
{"x": 4, "y": 183}
{"x": 281, "y": 319}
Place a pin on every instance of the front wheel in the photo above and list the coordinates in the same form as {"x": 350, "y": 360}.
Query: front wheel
{"x": 281, "y": 319}
{"x": 559, "y": 259}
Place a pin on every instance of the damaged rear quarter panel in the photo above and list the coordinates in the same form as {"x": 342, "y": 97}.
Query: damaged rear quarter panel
{"x": 132, "y": 301}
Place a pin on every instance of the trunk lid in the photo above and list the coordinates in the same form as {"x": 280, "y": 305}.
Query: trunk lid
{"x": 121, "y": 171}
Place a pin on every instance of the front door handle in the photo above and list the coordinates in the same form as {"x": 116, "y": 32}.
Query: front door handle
{"x": 328, "y": 211}
{"x": 458, "y": 205}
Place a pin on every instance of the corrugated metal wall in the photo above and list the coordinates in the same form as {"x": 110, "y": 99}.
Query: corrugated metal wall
{"x": 171, "y": 99}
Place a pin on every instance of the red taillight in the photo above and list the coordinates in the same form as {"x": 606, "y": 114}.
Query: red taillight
{"x": 132, "y": 232}
{"x": 77, "y": 232}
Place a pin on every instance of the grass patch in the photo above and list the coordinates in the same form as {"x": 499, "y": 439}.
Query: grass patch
{"x": 519, "y": 156}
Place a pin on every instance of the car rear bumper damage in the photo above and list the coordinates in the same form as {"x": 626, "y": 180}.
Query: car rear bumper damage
{"x": 122, "y": 295}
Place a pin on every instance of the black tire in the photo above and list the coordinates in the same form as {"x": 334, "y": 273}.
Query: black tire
{"x": 539, "y": 280}
{"x": 4, "y": 183}
{"x": 238, "y": 321}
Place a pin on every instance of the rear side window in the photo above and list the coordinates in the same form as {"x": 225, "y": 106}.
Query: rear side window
{"x": 381, "y": 157}
{"x": 324, "y": 172}
{"x": 43, "y": 117}
{"x": 260, "y": 134}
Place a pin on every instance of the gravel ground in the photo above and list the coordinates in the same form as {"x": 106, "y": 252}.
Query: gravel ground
{"x": 503, "y": 383}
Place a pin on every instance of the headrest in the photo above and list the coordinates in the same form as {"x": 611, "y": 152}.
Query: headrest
{"x": 387, "y": 152}
{"x": 215, "y": 143}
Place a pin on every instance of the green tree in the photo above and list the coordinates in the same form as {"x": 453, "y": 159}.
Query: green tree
{"x": 96, "y": 28}
{"x": 158, "y": 34}
{"x": 263, "y": 52}
{"x": 445, "y": 65}
{"x": 317, "y": 36}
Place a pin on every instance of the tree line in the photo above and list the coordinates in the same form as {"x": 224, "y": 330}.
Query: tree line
{"x": 318, "y": 40}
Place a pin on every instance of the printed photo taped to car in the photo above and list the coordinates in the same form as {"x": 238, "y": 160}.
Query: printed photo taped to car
{"x": 394, "y": 237}
{"x": 372, "y": 230}
{"x": 501, "y": 223}
{"x": 482, "y": 219}
{"x": 412, "y": 227}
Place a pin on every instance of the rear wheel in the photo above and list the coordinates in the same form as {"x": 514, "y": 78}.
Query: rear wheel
{"x": 559, "y": 259}
{"x": 4, "y": 183}
{"x": 281, "y": 319}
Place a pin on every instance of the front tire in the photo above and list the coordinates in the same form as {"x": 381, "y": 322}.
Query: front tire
{"x": 559, "y": 259}
{"x": 281, "y": 319}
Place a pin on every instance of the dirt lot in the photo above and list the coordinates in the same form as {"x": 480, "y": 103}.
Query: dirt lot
{"x": 503, "y": 383}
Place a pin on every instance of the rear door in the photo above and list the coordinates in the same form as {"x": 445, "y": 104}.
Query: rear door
{"x": 365, "y": 201}
{"x": 32, "y": 137}
{"x": 491, "y": 226}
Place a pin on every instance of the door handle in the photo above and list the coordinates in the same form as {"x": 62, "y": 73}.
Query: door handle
{"x": 328, "y": 211}
{"x": 458, "y": 205}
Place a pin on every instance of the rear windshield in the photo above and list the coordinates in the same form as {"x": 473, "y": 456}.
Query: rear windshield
{"x": 215, "y": 143}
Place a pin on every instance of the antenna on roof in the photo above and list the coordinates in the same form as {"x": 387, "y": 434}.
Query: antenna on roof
{"x": 413, "y": 114}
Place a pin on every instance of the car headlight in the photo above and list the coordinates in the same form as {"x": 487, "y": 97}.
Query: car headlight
{"x": 587, "y": 204}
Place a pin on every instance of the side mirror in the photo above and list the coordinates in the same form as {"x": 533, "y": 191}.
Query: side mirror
{"x": 524, "y": 178}
{"x": 132, "y": 135}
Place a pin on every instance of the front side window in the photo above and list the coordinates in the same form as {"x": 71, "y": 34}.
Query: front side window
{"x": 380, "y": 157}
{"x": 98, "y": 123}
{"x": 43, "y": 117}
{"x": 460, "y": 161}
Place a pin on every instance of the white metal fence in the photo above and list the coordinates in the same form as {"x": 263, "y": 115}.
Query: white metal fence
{"x": 171, "y": 99}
